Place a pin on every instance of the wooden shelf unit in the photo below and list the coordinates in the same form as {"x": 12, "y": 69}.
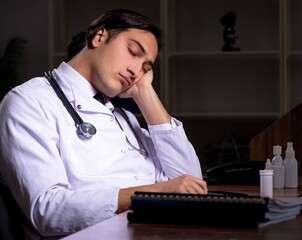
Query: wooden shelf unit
{"x": 196, "y": 80}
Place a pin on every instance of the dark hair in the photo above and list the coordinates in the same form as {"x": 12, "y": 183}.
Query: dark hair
{"x": 115, "y": 22}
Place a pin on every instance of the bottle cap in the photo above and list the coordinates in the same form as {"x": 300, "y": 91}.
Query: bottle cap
{"x": 268, "y": 165}
{"x": 277, "y": 150}
{"x": 290, "y": 152}
{"x": 266, "y": 172}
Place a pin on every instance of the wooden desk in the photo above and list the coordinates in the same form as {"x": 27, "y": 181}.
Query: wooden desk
{"x": 118, "y": 227}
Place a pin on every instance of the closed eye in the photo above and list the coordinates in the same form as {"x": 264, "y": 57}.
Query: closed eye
{"x": 132, "y": 53}
{"x": 147, "y": 66}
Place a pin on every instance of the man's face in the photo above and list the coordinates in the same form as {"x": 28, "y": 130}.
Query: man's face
{"x": 119, "y": 64}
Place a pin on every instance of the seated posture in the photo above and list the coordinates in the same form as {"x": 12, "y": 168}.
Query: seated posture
{"x": 66, "y": 175}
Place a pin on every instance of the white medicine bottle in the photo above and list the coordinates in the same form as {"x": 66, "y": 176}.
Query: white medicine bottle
{"x": 291, "y": 167}
{"x": 268, "y": 165}
{"x": 278, "y": 167}
{"x": 266, "y": 183}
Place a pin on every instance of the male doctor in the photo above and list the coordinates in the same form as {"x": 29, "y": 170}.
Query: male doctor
{"x": 64, "y": 182}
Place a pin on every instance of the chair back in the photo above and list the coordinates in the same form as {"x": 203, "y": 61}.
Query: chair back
{"x": 11, "y": 219}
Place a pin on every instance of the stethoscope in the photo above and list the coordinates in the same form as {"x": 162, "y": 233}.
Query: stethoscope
{"x": 86, "y": 130}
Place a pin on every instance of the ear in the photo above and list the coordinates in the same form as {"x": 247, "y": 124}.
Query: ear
{"x": 99, "y": 38}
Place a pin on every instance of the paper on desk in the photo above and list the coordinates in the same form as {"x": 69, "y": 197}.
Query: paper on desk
{"x": 281, "y": 209}
{"x": 284, "y": 203}
{"x": 274, "y": 221}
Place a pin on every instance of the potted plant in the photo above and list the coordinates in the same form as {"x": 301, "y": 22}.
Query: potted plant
{"x": 9, "y": 64}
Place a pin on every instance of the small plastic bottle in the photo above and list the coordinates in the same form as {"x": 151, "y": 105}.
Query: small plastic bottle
{"x": 291, "y": 167}
{"x": 268, "y": 165}
{"x": 278, "y": 167}
{"x": 266, "y": 183}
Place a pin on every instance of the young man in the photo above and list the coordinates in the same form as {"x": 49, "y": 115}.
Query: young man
{"x": 65, "y": 182}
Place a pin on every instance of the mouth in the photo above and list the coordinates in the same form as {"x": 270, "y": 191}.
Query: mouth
{"x": 125, "y": 80}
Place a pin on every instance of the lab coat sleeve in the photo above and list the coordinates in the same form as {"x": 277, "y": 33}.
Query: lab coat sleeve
{"x": 174, "y": 151}
{"x": 31, "y": 164}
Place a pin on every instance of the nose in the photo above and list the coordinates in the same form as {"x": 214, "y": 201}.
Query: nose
{"x": 134, "y": 72}
{"x": 130, "y": 71}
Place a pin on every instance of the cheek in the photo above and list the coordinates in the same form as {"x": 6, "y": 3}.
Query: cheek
{"x": 117, "y": 53}
{"x": 124, "y": 56}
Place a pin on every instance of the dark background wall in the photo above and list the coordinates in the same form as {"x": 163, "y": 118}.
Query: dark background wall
{"x": 26, "y": 19}
{"x": 29, "y": 19}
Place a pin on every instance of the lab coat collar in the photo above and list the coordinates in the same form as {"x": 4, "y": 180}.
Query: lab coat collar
{"x": 79, "y": 91}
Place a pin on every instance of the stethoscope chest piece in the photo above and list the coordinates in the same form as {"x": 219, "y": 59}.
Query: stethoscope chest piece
{"x": 86, "y": 130}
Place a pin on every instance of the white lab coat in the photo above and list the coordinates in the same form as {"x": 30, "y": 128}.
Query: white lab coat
{"x": 63, "y": 183}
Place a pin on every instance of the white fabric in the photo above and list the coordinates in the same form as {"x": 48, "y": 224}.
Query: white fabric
{"x": 64, "y": 184}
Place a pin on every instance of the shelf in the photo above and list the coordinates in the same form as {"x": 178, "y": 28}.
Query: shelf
{"x": 293, "y": 53}
{"x": 226, "y": 85}
{"x": 220, "y": 53}
{"x": 250, "y": 115}
{"x": 257, "y": 24}
{"x": 293, "y": 25}
{"x": 202, "y": 80}
{"x": 215, "y": 92}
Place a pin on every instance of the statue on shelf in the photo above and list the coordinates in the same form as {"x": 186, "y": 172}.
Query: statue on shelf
{"x": 229, "y": 33}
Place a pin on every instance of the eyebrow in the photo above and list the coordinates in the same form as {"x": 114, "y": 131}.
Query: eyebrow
{"x": 143, "y": 50}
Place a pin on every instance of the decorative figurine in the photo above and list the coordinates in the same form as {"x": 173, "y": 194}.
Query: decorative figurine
{"x": 229, "y": 33}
